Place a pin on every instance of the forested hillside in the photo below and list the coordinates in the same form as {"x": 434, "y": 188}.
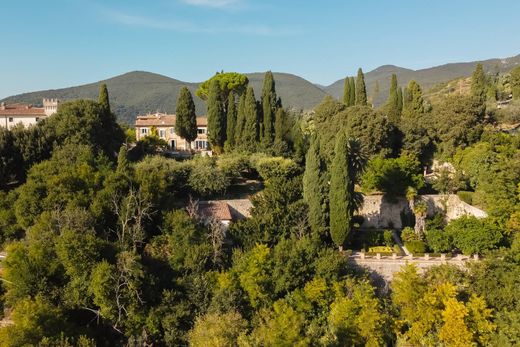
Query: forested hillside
{"x": 106, "y": 244}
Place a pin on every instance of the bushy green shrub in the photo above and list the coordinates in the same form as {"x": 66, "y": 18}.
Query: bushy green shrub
{"x": 388, "y": 237}
{"x": 472, "y": 235}
{"x": 234, "y": 164}
{"x": 415, "y": 246}
{"x": 408, "y": 234}
{"x": 269, "y": 167}
{"x": 206, "y": 179}
{"x": 438, "y": 240}
{"x": 465, "y": 196}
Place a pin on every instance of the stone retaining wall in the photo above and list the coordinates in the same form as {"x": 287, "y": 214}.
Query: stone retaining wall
{"x": 380, "y": 213}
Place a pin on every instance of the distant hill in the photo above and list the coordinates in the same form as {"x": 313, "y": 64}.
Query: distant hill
{"x": 141, "y": 92}
{"x": 427, "y": 78}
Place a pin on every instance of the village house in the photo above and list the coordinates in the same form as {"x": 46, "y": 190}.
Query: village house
{"x": 26, "y": 114}
{"x": 164, "y": 124}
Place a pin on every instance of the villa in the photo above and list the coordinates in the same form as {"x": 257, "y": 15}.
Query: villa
{"x": 164, "y": 124}
{"x": 25, "y": 114}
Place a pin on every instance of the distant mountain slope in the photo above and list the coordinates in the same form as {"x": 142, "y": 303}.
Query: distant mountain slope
{"x": 141, "y": 92}
{"x": 427, "y": 78}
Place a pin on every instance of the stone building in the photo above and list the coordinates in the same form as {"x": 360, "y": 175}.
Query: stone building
{"x": 26, "y": 114}
{"x": 164, "y": 124}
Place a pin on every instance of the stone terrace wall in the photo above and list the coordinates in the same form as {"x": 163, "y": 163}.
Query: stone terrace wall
{"x": 381, "y": 213}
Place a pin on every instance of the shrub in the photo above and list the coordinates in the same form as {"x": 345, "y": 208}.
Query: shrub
{"x": 206, "y": 179}
{"x": 269, "y": 167}
{"x": 466, "y": 196}
{"x": 408, "y": 234}
{"x": 438, "y": 240}
{"x": 472, "y": 235}
{"x": 415, "y": 246}
{"x": 388, "y": 237}
{"x": 232, "y": 165}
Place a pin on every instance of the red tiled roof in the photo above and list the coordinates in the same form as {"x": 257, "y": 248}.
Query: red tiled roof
{"x": 215, "y": 209}
{"x": 20, "y": 109}
{"x": 162, "y": 119}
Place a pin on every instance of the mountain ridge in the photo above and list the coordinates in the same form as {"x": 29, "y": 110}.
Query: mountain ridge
{"x": 139, "y": 92}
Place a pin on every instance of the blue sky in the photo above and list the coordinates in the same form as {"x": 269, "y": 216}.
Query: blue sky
{"x": 61, "y": 43}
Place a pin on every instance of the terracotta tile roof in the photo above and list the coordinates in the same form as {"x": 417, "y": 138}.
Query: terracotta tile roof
{"x": 162, "y": 119}
{"x": 20, "y": 109}
{"x": 215, "y": 209}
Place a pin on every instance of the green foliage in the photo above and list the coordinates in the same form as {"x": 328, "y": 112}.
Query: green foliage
{"x": 439, "y": 240}
{"x": 206, "y": 179}
{"x": 349, "y": 94}
{"x": 515, "y": 82}
{"x": 392, "y": 104}
{"x": 361, "y": 90}
{"x": 231, "y": 126}
{"x": 103, "y": 100}
{"x": 478, "y": 84}
{"x": 392, "y": 176}
{"x": 227, "y": 82}
{"x": 472, "y": 235}
{"x": 218, "y": 330}
{"x": 216, "y": 117}
{"x": 269, "y": 105}
{"x": 10, "y": 158}
{"x": 315, "y": 188}
{"x": 186, "y": 121}
{"x": 274, "y": 167}
{"x": 415, "y": 246}
{"x": 466, "y": 196}
{"x": 250, "y": 130}
{"x": 346, "y": 168}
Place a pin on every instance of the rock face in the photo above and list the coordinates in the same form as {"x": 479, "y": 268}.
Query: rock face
{"x": 379, "y": 212}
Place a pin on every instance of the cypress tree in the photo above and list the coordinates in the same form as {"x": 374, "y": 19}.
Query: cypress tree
{"x": 400, "y": 99}
{"x": 251, "y": 126}
{"x": 315, "y": 187}
{"x": 186, "y": 119}
{"x": 269, "y": 101}
{"x": 122, "y": 161}
{"x": 478, "y": 84}
{"x": 347, "y": 166}
{"x": 346, "y": 92}
{"x": 361, "y": 89}
{"x": 279, "y": 124}
{"x": 103, "y": 98}
{"x": 515, "y": 82}
{"x": 375, "y": 94}
{"x": 392, "y": 104}
{"x": 231, "y": 120}
{"x": 241, "y": 120}
{"x": 352, "y": 87}
{"x": 413, "y": 98}
{"x": 216, "y": 117}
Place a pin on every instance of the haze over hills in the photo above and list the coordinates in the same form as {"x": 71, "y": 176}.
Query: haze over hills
{"x": 142, "y": 92}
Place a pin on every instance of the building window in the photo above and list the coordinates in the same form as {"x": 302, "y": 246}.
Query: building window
{"x": 201, "y": 130}
{"x": 37, "y": 119}
{"x": 172, "y": 131}
{"x": 162, "y": 133}
{"x": 144, "y": 131}
{"x": 200, "y": 144}
{"x": 11, "y": 119}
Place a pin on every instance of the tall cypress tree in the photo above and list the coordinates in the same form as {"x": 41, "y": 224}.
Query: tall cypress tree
{"x": 186, "y": 119}
{"x": 346, "y": 92}
{"x": 361, "y": 89}
{"x": 279, "y": 125}
{"x": 315, "y": 187}
{"x": 352, "y": 87}
{"x": 269, "y": 101}
{"x": 103, "y": 98}
{"x": 400, "y": 100}
{"x": 231, "y": 120}
{"x": 347, "y": 166}
{"x": 478, "y": 84}
{"x": 241, "y": 120}
{"x": 251, "y": 126}
{"x": 515, "y": 83}
{"x": 392, "y": 104}
{"x": 216, "y": 117}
